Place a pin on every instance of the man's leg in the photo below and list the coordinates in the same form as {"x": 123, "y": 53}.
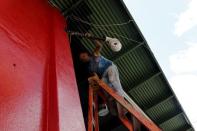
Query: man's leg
{"x": 114, "y": 79}
{"x": 116, "y": 85}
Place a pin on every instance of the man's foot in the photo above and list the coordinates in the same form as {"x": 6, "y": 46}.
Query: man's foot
{"x": 103, "y": 110}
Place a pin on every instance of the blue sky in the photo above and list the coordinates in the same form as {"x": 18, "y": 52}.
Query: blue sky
{"x": 170, "y": 28}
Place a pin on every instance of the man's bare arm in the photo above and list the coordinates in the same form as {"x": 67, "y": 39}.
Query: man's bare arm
{"x": 98, "y": 48}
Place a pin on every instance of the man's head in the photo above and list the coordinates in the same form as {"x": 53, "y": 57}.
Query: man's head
{"x": 84, "y": 57}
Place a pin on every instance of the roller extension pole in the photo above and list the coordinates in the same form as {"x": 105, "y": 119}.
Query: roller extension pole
{"x": 83, "y": 35}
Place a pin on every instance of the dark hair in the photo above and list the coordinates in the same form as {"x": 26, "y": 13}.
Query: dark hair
{"x": 85, "y": 52}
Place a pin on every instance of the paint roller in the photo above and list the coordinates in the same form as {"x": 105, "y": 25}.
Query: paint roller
{"x": 113, "y": 43}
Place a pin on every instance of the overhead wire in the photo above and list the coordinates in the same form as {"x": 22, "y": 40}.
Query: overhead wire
{"x": 101, "y": 27}
{"x": 124, "y": 37}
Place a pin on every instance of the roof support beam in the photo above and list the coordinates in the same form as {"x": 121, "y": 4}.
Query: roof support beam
{"x": 186, "y": 127}
{"x": 189, "y": 129}
{"x": 126, "y": 51}
{"x": 161, "y": 102}
{"x": 67, "y": 11}
{"x": 168, "y": 119}
{"x": 150, "y": 77}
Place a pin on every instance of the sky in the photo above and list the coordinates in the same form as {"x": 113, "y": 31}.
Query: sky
{"x": 170, "y": 28}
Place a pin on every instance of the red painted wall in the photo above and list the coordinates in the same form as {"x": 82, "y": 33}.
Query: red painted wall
{"x": 38, "y": 90}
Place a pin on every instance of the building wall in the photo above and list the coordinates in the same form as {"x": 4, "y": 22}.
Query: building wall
{"x": 38, "y": 90}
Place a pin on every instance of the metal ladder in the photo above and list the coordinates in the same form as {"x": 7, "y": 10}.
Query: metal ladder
{"x": 128, "y": 104}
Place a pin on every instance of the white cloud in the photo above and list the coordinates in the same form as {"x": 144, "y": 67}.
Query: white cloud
{"x": 186, "y": 19}
{"x": 185, "y": 87}
{"x": 185, "y": 60}
{"x": 184, "y": 79}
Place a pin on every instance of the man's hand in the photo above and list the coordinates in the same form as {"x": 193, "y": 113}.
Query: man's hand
{"x": 93, "y": 81}
{"x": 98, "y": 48}
{"x": 93, "y": 78}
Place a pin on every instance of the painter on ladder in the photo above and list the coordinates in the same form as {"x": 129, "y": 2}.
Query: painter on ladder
{"x": 104, "y": 68}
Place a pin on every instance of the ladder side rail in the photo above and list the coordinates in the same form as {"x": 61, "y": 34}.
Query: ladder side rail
{"x": 130, "y": 106}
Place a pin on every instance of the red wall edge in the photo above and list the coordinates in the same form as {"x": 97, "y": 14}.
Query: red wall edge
{"x": 38, "y": 90}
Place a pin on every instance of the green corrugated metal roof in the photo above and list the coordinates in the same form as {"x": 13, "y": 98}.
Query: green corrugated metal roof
{"x": 140, "y": 74}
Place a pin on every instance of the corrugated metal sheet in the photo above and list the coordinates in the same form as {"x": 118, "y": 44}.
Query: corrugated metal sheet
{"x": 140, "y": 73}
